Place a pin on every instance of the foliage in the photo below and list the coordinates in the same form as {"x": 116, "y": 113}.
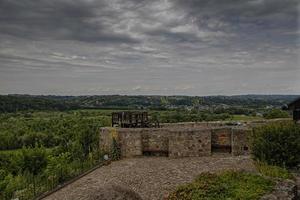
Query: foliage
{"x": 39, "y": 150}
{"x": 273, "y": 171}
{"x": 44, "y": 149}
{"x": 58, "y": 168}
{"x": 34, "y": 160}
{"x": 277, "y": 144}
{"x": 15, "y": 103}
{"x": 186, "y": 116}
{"x": 244, "y": 118}
{"x": 116, "y": 151}
{"x": 276, "y": 113}
{"x": 10, "y": 184}
{"x": 226, "y": 185}
{"x": 49, "y": 129}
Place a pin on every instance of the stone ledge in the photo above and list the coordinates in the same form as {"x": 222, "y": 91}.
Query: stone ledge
{"x": 284, "y": 190}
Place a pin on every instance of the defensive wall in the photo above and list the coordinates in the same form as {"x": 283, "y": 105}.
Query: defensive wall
{"x": 181, "y": 139}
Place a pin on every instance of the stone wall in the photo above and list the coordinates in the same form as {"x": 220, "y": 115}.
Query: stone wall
{"x": 241, "y": 141}
{"x": 130, "y": 143}
{"x": 214, "y": 124}
{"x": 155, "y": 140}
{"x": 193, "y": 124}
{"x": 175, "y": 142}
{"x": 106, "y": 138}
{"x": 189, "y": 143}
{"x": 221, "y": 136}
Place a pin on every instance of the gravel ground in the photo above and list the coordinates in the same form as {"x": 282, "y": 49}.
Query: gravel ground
{"x": 151, "y": 177}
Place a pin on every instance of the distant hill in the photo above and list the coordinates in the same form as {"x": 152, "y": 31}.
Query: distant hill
{"x": 12, "y": 103}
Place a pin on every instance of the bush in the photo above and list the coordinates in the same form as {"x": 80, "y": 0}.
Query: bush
{"x": 58, "y": 168}
{"x": 276, "y": 113}
{"x": 226, "y": 185}
{"x": 116, "y": 151}
{"x": 10, "y": 184}
{"x": 277, "y": 144}
{"x": 273, "y": 171}
{"x": 34, "y": 160}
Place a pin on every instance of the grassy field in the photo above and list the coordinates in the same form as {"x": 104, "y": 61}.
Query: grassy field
{"x": 245, "y": 118}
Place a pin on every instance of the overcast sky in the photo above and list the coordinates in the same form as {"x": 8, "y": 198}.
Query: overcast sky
{"x": 164, "y": 47}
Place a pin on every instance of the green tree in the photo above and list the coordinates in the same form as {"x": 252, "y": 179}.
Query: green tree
{"x": 277, "y": 144}
{"x": 58, "y": 168}
{"x": 276, "y": 113}
{"x": 34, "y": 160}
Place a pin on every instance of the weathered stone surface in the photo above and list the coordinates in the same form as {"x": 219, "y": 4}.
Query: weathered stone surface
{"x": 284, "y": 190}
{"x": 155, "y": 140}
{"x": 214, "y": 124}
{"x": 113, "y": 192}
{"x": 176, "y": 142}
{"x": 298, "y": 185}
{"x": 240, "y": 141}
{"x": 152, "y": 178}
{"x": 221, "y": 136}
{"x": 131, "y": 143}
{"x": 190, "y": 143}
{"x": 194, "y": 124}
{"x": 106, "y": 137}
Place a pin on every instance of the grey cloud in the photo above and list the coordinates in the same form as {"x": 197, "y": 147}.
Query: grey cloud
{"x": 193, "y": 47}
{"x": 244, "y": 16}
{"x": 59, "y": 19}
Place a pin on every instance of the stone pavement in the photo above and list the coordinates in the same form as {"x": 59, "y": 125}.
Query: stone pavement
{"x": 150, "y": 177}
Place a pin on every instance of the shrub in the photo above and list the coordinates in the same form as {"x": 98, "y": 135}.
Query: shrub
{"x": 34, "y": 160}
{"x": 116, "y": 151}
{"x": 33, "y": 139}
{"x": 276, "y": 113}
{"x": 277, "y": 144}
{"x": 10, "y": 184}
{"x": 226, "y": 185}
{"x": 58, "y": 168}
{"x": 273, "y": 171}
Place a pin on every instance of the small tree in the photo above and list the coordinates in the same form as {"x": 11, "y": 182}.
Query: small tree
{"x": 276, "y": 113}
{"x": 116, "y": 151}
{"x": 58, "y": 167}
{"x": 277, "y": 144}
{"x": 88, "y": 137}
{"x": 34, "y": 160}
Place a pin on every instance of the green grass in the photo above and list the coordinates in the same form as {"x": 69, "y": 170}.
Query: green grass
{"x": 273, "y": 171}
{"x": 245, "y": 118}
{"x": 224, "y": 186}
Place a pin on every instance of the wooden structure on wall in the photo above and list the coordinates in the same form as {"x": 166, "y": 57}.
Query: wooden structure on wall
{"x": 130, "y": 119}
{"x": 295, "y": 107}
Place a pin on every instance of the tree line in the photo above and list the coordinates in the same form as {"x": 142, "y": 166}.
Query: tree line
{"x": 15, "y": 103}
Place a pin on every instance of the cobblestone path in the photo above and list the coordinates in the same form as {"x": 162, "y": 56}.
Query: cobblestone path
{"x": 151, "y": 177}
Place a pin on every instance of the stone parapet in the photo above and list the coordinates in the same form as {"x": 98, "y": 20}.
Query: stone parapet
{"x": 284, "y": 190}
{"x": 176, "y": 141}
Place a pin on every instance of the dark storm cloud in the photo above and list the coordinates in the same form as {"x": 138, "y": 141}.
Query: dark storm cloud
{"x": 59, "y": 19}
{"x": 149, "y": 47}
{"x": 237, "y": 10}
{"x": 242, "y": 16}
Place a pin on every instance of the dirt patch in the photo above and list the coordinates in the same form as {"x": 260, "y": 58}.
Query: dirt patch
{"x": 150, "y": 177}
